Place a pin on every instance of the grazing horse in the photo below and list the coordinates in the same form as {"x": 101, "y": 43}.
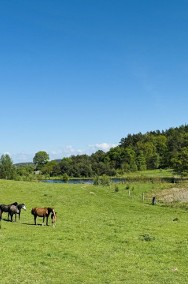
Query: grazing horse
{"x": 42, "y": 212}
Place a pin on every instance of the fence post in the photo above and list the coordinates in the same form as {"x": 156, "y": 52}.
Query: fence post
{"x": 143, "y": 197}
{"x": 153, "y": 202}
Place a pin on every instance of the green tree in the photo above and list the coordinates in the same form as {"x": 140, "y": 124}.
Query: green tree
{"x": 40, "y": 159}
{"x": 7, "y": 169}
{"x": 66, "y": 166}
{"x": 141, "y": 161}
{"x": 24, "y": 170}
{"x": 180, "y": 161}
{"x": 49, "y": 168}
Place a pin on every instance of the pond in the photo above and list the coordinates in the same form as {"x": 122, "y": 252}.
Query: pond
{"x": 82, "y": 181}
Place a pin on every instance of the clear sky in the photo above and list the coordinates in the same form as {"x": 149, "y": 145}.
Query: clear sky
{"x": 78, "y": 75}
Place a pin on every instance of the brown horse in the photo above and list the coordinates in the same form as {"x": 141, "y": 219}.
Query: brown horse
{"x": 42, "y": 212}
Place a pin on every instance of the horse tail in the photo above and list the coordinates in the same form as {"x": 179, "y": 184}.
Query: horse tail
{"x": 33, "y": 211}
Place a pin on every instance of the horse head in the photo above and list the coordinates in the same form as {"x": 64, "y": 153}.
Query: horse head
{"x": 54, "y": 218}
{"x": 22, "y": 206}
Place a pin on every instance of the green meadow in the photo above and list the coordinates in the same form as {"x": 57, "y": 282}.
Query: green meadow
{"x": 102, "y": 235}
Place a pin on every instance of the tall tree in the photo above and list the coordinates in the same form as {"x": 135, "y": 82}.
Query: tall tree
{"x": 180, "y": 161}
{"x": 7, "y": 169}
{"x": 40, "y": 159}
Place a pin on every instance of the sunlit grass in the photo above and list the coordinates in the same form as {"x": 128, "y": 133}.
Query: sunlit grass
{"x": 152, "y": 173}
{"x": 101, "y": 236}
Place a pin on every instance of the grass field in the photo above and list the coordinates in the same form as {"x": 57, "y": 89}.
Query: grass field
{"x": 101, "y": 236}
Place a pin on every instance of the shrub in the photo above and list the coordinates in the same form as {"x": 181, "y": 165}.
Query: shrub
{"x": 116, "y": 188}
{"x": 147, "y": 238}
{"x": 103, "y": 180}
{"x": 65, "y": 177}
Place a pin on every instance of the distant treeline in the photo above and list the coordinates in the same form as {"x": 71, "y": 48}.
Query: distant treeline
{"x": 136, "y": 152}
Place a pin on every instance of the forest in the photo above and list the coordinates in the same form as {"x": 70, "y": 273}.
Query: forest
{"x": 166, "y": 149}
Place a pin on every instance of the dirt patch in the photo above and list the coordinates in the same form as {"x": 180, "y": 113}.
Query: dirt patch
{"x": 173, "y": 195}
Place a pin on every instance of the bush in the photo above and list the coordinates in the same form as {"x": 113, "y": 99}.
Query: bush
{"x": 65, "y": 177}
{"x": 116, "y": 188}
{"x": 103, "y": 180}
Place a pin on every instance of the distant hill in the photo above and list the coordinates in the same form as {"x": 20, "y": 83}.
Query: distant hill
{"x": 23, "y": 164}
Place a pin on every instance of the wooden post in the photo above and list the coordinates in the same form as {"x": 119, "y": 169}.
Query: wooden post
{"x": 153, "y": 202}
{"x": 143, "y": 197}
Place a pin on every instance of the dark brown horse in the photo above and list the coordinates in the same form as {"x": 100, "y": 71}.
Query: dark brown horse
{"x": 6, "y": 208}
{"x": 13, "y": 210}
{"x": 42, "y": 212}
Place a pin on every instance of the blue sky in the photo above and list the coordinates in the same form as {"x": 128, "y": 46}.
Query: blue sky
{"x": 77, "y": 76}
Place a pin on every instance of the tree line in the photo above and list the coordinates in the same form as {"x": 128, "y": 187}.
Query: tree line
{"x": 136, "y": 152}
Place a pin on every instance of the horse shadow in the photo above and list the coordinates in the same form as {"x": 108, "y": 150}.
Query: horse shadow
{"x": 31, "y": 224}
{"x": 6, "y": 220}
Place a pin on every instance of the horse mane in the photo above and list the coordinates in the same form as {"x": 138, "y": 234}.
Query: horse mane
{"x": 50, "y": 209}
{"x": 15, "y": 203}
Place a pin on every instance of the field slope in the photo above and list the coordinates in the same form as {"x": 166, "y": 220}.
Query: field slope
{"x": 101, "y": 236}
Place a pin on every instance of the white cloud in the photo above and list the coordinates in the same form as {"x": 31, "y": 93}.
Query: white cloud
{"x": 21, "y": 158}
{"x": 102, "y": 146}
{"x": 66, "y": 151}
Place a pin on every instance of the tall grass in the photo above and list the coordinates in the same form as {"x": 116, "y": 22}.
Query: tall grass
{"x": 102, "y": 236}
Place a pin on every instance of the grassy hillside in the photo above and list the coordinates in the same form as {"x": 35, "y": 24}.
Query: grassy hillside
{"x": 101, "y": 236}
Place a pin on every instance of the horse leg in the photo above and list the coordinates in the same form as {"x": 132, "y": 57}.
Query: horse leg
{"x": 43, "y": 219}
{"x": 46, "y": 220}
{"x": 9, "y": 216}
{"x": 0, "y": 217}
{"x": 35, "y": 218}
